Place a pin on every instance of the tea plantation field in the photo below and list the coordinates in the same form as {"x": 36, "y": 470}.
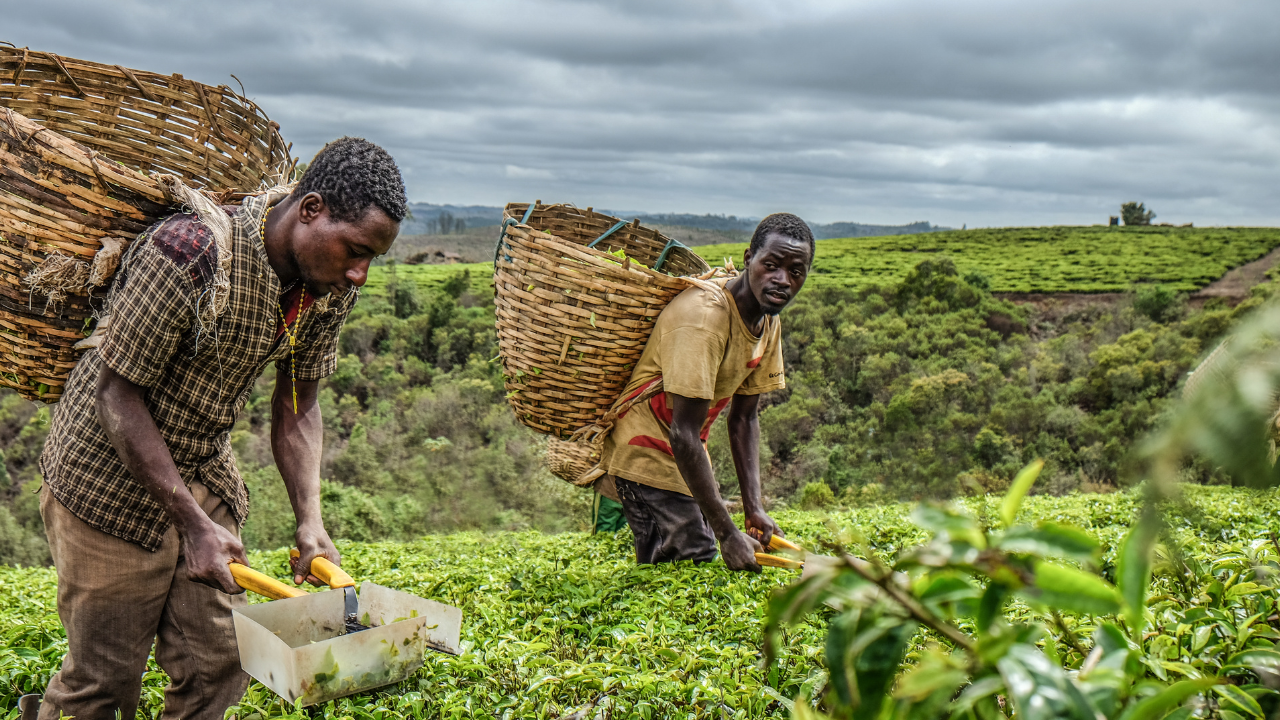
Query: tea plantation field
{"x": 555, "y": 625}
{"x": 1049, "y": 259}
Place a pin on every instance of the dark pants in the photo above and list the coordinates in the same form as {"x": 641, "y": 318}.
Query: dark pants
{"x": 668, "y": 526}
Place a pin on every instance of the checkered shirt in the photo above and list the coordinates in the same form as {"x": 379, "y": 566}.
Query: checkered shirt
{"x": 197, "y": 379}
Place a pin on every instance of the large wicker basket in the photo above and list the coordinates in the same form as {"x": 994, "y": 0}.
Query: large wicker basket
{"x": 573, "y": 317}
{"x": 210, "y": 137}
{"x": 77, "y": 140}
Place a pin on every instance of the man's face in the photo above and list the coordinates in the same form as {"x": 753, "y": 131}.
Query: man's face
{"x": 777, "y": 271}
{"x": 333, "y": 256}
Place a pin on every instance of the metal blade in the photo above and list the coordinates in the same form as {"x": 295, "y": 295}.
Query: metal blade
{"x": 351, "y": 611}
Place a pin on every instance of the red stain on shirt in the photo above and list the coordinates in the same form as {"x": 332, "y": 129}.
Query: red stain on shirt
{"x": 654, "y": 443}
{"x": 711, "y": 418}
{"x": 658, "y": 403}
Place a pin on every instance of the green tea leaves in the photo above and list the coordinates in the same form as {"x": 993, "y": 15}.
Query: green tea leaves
{"x": 1050, "y": 540}
{"x": 1021, "y": 484}
{"x": 1070, "y": 589}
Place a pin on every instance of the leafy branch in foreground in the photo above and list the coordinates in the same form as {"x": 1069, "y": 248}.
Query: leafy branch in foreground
{"x": 1016, "y": 621}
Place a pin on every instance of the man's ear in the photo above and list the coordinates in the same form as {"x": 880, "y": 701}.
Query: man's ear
{"x": 746, "y": 256}
{"x": 310, "y": 207}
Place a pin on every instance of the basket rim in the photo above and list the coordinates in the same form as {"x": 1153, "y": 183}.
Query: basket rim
{"x": 591, "y": 253}
{"x": 605, "y": 262}
{"x": 235, "y": 129}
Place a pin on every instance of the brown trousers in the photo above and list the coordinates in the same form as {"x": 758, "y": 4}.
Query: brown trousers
{"x": 115, "y": 598}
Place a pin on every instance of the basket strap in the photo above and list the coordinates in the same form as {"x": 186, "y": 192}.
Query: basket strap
{"x": 662, "y": 257}
{"x": 502, "y": 238}
{"x": 607, "y": 233}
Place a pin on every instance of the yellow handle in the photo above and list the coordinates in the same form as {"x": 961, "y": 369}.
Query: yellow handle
{"x": 778, "y": 562}
{"x": 781, "y": 543}
{"x": 329, "y": 574}
{"x": 265, "y": 585}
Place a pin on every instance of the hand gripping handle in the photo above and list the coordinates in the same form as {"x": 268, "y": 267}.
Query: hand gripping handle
{"x": 778, "y": 562}
{"x": 264, "y": 585}
{"x": 330, "y": 574}
{"x": 781, "y": 543}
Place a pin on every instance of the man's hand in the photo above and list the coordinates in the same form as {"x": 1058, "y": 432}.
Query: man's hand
{"x": 760, "y": 526}
{"x": 739, "y": 552}
{"x": 209, "y": 548}
{"x": 313, "y": 541}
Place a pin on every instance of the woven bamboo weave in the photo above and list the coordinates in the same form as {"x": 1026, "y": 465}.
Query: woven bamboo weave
{"x": 75, "y": 174}
{"x": 210, "y": 137}
{"x": 572, "y": 321}
{"x": 57, "y": 199}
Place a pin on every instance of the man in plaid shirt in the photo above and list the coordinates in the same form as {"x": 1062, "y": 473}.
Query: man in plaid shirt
{"x": 142, "y": 500}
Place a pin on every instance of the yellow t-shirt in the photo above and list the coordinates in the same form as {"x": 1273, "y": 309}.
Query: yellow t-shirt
{"x": 700, "y": 348}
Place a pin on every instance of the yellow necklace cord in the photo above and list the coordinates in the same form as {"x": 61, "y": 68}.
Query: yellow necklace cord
{"x": 292, "y": 334}
{"x": 293, "y": 343}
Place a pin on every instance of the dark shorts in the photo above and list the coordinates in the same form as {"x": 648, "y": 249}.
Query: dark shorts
{"x": 668, "y": 526}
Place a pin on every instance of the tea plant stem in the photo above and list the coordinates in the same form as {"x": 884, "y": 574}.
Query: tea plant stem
{"x": 1070, "y": 636}
{"x": 913, "y": 608}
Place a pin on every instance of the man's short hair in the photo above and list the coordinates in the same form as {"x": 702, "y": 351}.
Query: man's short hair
{"x": 784, "y": 224}
{"x": 351, "y": 174}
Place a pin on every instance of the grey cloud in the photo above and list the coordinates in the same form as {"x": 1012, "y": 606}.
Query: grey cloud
{"x": 985, "y": 112}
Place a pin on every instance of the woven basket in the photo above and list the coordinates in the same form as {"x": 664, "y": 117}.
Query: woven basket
{"x": 573, "y": 319}
{"x": 210, "y": 137}
{"x": 75, "y": 141}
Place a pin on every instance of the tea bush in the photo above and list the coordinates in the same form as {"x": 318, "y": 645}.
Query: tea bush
{"x": 1040, "y": 260}
{"x": 556, "y": 624}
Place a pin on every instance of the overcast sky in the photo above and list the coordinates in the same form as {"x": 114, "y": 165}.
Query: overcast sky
{"x": 990, "y": 113}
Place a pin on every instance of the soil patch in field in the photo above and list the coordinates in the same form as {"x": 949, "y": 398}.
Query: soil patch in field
{"x": 1235, "y": 284}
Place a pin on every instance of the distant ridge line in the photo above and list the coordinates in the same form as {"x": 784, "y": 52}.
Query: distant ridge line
{"x": 425, "y": 216}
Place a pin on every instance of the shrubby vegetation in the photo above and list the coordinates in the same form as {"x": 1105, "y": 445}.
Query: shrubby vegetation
{"x": 925, "y": 389}
{"x": 934, "y": 387}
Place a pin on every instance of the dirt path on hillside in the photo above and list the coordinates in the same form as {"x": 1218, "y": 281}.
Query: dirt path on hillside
{"x": 1234, "y": 286}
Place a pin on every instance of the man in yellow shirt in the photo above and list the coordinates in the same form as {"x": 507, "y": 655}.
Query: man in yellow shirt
{"x": 710, "y": 348}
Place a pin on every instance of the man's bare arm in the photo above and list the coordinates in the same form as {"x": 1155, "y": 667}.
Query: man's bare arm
{"x": 688, "y": 415}
{"x": 296, "y": 443}
{"x": 744, "y": 442}
{"x": 123, "y": 414}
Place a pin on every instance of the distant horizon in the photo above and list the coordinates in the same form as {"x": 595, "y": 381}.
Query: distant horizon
{"x": 939, "y": 228}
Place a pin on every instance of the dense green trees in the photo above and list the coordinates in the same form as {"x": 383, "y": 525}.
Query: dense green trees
{"x": 934, "y": 387}
{"x": 929, "y": 388}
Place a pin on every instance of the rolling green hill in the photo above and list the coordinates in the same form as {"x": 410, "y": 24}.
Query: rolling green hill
{"x": 1050, "y": 259}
